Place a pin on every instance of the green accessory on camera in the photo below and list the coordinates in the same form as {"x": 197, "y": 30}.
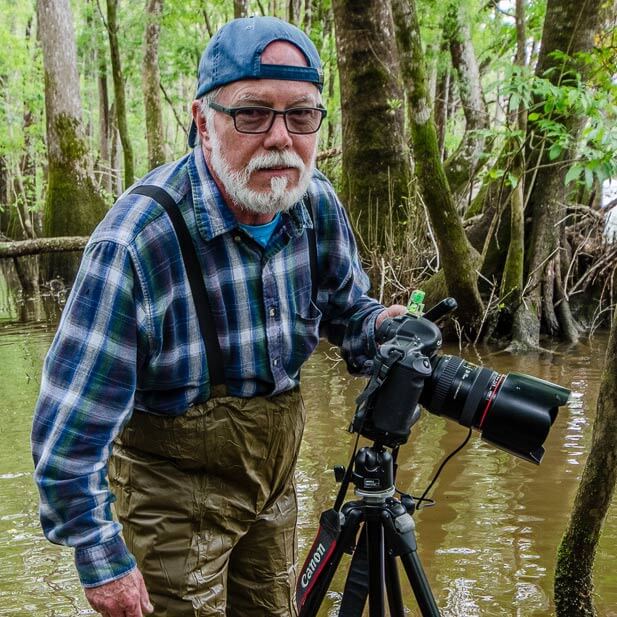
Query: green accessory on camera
{"x": 415, "y": 306}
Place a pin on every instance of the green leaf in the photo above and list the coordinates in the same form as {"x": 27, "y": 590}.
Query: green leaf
{"x": 555, "y": 151}
{"x": 574, "y": 173}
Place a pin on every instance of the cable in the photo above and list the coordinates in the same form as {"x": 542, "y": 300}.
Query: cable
{"x": 443, "y": 464}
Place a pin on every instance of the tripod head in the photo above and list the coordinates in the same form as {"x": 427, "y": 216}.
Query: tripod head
{"x": 373, "y": 474}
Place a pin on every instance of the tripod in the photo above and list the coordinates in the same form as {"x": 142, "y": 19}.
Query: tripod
{"x": 386, "y": 532}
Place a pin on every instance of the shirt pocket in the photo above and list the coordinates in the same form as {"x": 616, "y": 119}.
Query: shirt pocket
{"x": 305, "y": 336}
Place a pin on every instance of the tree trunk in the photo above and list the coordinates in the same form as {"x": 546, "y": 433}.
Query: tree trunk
{"x": 4, "y": 177}
{"x": 151, "y": 82}
{"x": 568, "y": 27}
{"x": 104, "y": 122}
{"x": 459, "y": 262}
{"x": 376, "y": 166}
{"x": 573, "y": 576}
{"x": 116, "y": 163}
{"x": 294, "y": 7}
{"x": 512, "y": 279}
{"x": 241, "y": 8}
{"x": 464, "y": 163}
{"x": 308, "y": 16}
{"x": 442, "y": 92}
{"x": 120, "y": 99}
{"x": 73, "y": 205}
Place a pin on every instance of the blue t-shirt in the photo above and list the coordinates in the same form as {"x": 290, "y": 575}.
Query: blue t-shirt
{"x": 262, "y": 233}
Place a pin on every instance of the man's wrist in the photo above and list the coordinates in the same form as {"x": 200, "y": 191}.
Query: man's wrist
{"x": 103, "y": 563}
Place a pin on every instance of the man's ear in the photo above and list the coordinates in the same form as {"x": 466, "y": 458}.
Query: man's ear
{"x": 201, "y": 124}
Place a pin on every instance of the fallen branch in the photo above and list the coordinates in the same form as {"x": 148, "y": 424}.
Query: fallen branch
{"x": 62, "y": 244}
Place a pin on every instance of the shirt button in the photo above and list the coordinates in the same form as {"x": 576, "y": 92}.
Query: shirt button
{"x": 272, "y": 312}
{"x": 275, "y": 362}
{"x": 237, "y": 239}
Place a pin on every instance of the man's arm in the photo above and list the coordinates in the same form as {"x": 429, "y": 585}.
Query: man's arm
{"x": 350, "y": 316}
{"x": 86, "y": 395}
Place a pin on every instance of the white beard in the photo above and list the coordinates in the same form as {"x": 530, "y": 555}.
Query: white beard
{"x": 279, "y": 198}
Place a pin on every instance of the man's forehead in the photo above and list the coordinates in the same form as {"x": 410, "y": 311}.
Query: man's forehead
{"x": 266, "y": 91}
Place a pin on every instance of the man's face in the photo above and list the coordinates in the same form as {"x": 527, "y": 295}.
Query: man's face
{"x": 266, "y": 172}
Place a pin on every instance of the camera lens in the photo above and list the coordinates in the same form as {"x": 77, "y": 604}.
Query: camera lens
{"x": 512, "y": 411}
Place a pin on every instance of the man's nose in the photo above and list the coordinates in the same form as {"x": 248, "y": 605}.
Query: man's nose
{"x": 278, "y": 136}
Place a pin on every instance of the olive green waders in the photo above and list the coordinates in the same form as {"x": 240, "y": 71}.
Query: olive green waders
{"x": 208, "y": 505}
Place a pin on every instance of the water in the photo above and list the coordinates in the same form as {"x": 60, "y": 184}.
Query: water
{"x": 488, "y": 546}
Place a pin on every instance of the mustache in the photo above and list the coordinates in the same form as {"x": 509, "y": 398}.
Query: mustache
{"x": 274, "y": 159}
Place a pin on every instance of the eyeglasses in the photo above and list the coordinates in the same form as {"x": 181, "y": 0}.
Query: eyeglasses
{"x": 298, "y": 120}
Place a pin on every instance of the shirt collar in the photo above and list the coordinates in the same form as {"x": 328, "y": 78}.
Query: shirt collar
{"x": 212, "y": 214}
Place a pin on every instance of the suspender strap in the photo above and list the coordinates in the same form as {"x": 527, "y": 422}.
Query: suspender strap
{"x": 196, "y": 281}
{"x": 312, "y": 242}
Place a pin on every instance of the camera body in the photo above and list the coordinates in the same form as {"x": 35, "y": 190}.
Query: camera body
{"x": 406, "y": 348}
{"x": 512, "y": 411}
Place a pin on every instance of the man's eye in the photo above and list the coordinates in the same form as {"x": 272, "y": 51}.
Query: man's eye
{"x": 253, "y": 113}
{"x": 301, "y": 113}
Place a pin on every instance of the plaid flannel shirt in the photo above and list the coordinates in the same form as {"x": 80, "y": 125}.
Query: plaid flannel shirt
{"x": 129, "y": 336}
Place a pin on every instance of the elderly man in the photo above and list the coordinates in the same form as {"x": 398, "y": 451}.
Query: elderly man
{"x": 175, "y": 370}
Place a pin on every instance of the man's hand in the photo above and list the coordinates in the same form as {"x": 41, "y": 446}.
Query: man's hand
{"x": 124, "y": 597}
{"x": 392, "y": 311}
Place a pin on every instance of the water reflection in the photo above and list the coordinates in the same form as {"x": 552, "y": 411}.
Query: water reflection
{"x": 488, "y": 545}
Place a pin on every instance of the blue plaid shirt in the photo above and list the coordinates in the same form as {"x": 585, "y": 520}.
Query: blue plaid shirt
{"x": 129, "y": 336}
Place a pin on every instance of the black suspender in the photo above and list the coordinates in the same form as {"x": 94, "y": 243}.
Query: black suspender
{"x": 194, "y": 273}
{"x": 196, "y": 281}
{"x": 312, "y": 242}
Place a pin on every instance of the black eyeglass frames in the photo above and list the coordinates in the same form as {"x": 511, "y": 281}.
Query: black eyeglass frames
{"x": 298, "y": 120}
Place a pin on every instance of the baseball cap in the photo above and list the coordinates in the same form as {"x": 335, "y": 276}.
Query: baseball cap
{"x": 234, "y": 53}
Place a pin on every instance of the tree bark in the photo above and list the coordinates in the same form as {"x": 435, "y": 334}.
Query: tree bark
{"x": 442, "y": 91}
{"x": 73, "y": 205}
{"x": 151, "y": 82}
{"x": 464, "y": 162}
{"x": 241, "y": 8}
{"x": 294, "y": 8}
{"x": 104, "y": 125}
{"x": 568, "y": 27}
{"x": 512, "y": 279}
{"x": 459, "y": 262}
{"x": 574, "y": 572}
{"x": 376, "y": 166}
{"x": 120, "y": 98}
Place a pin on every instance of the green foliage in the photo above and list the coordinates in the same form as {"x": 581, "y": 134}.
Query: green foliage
{"x": 554, "y": 106}
{"x": 185, "y": 30}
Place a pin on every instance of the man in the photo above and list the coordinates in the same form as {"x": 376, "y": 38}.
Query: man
{"x": 202, "y": 467}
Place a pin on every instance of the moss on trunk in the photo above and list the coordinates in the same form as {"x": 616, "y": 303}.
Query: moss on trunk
{"x": 73, "y": 204}
{"x": 575, "y": 558}
{"x": 376, "y": 164}
{"x": 460, "y": 263}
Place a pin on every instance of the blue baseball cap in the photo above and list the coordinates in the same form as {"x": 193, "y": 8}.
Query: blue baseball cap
{"x": 234, "y": 53}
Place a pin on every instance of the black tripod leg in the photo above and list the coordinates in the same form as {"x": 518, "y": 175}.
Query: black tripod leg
{"x": 355, "y": 591}
{"x": 419, "y": 584}
{"x": 401, "y": 541}
{"x": 320, "y": 586}
{"x": 376, "y": 566}
{"x": 393, "y": 587}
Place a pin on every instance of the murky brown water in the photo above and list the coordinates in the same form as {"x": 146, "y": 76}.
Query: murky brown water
{"x": 488, "y": 546}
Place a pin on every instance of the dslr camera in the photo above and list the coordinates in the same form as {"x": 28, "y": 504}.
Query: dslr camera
{"x": 511, "y": 411}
